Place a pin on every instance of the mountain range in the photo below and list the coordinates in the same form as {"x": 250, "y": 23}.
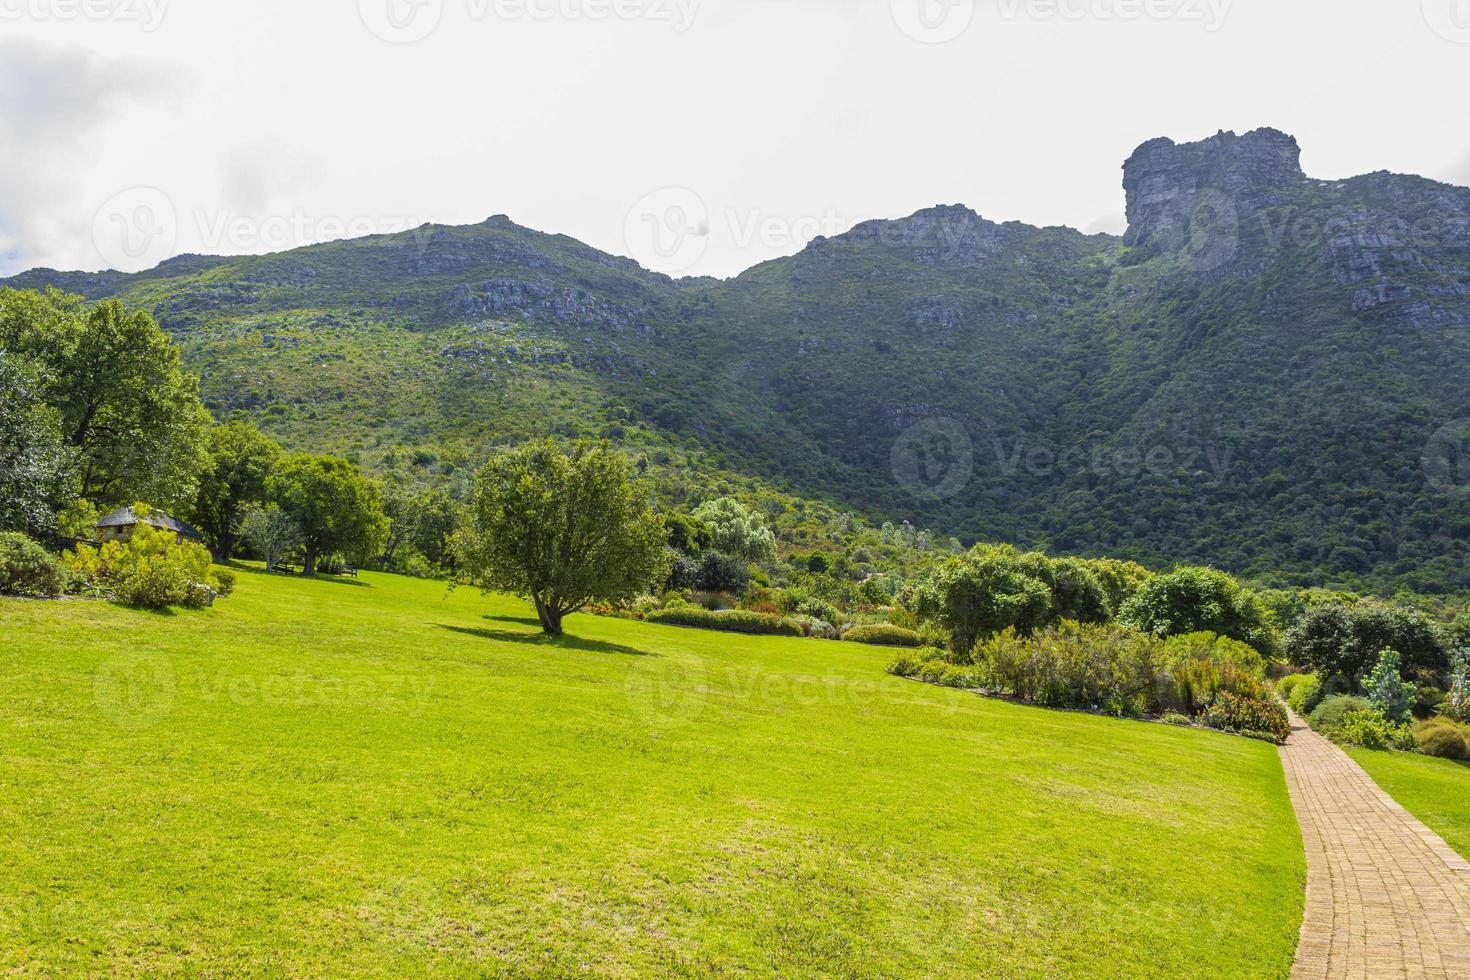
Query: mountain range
{"x": 1266, "y": 372}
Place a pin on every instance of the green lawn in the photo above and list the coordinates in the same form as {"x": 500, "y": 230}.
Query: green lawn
{"x": 1437, "y": 791}
{"x": 379, "y": 777}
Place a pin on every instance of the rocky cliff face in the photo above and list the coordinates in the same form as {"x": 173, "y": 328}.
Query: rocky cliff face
{"x": 1168, "y": 185}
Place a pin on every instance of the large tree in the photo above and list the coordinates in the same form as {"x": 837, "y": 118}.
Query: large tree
{"x": 241, "y": 458}
{"x": 338, "y": 510}
{"x": 33, "y": 463}
{"x": 736, "y": 529}
{"x": 1345, "y": 641}
{"x": 126, "y": 405}
{"x": 563, "y": 527}
{"x": 1191, "y": 599}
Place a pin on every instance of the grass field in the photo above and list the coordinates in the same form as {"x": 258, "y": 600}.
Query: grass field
{"x": 321, "y": 777}
{"x": 1437, "y": 791}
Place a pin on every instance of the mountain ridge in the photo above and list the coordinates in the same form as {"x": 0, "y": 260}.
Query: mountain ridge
{"x": 1249, "y": 376}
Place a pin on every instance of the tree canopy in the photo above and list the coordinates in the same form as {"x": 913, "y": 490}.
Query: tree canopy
{"x": 125, "y": 404}
{"x": 338, "y": 510}
{"x": 1199, "y": 600}
{"x": 563, "y": 527}
{"x": 736, "y": 529}
{"x": 241, "y": 458}
{"x": 33, "y": 463}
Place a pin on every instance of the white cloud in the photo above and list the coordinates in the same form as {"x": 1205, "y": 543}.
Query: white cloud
{"x": 287, "y": 120}
{"x": 56, "y": 106}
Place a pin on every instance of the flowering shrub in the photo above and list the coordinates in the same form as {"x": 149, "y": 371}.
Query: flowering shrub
{"x": 151, "y": 570}
{"x": 732, "y": 620}
{"x": 1194, "y": 668}
{"x": 1259, "y": 715}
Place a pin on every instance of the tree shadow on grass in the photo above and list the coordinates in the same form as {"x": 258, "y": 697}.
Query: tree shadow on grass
{"x": 542, "y": 640}
{"x": 243, "y": 569}
{"x": 518, "y": 620}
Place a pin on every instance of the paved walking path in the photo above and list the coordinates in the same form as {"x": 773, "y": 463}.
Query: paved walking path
{"x": 1386, "y": 897}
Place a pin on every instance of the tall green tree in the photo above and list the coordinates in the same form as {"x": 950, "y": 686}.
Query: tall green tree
{"x": 1191, "y": 599}
{"x": 736, "y": 529}
{"x": 338, "y": 510}
{"x": 564, "y": 528}
{"x": 984, "y": 591}
{"x": 33, "y": 463}
{"x": 241, "y": 459}
{"x": 126, "y": 406}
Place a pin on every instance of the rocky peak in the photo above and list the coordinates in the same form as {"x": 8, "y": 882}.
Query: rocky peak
{"x": 1165, "y": 182}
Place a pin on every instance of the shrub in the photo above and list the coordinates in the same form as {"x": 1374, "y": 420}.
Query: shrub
{"x": 1306, "y": 695}
{"x": 26, "y": 568}
{"x": 882, "y": 634}
{"x": 1328, "y": 716}
{"x": 1261, "y": 715}
{"x": 1444, "y": 739}
{"x": 1456, "y": 704}
{"x": 1192, "y": 600}
{"x": 907, "y": 664}
{"x": 151, "y": 570}
{"x": 1371, "y": 729}
{"x": 1072, "y": 665}
{"x": 729, "y": 620}
{"x": 1175, "y": 718}
{"x": 1393, "y": 695}
{"x": 817, "y": 628}
{"x": 1195, "y": 667}
{"x": 226, "y": 582}
{"x": 1287, "y": 684}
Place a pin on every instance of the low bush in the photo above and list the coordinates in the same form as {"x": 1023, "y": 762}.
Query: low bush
{"x": 26, "y": 568}
{"x": 1262, "y": 716}
{"x": 1372, "y": 729}
{"x": 1287, "y": 684}
{"x": 1328, "y": 716}
{"x": 882, "y": 634}
{"x": 151, "y": 570}
{"x": 1444, "y": 739}
{"x": 1306, "y": 695}
{"x": 1072, "y": 665}
{"x": 226, "y": 580}
{"x": 729, "y": 620}
{"x": 929, "y": 665}
{"x": 1194, "y": 668}
{"x": 1175, "y": 718}
{"x": 817, "y": 628}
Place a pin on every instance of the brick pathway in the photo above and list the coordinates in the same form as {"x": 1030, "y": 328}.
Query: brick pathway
{"x": 1386, "y": 897}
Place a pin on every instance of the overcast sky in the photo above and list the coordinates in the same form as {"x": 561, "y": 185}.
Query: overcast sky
{"x": 699, "y": 136}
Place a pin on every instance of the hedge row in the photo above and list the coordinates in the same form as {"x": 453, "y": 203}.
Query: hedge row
{"x": 729, "y": 620}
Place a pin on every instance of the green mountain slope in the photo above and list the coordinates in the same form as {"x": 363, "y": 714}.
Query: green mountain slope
{"x": 1264, "y": 373}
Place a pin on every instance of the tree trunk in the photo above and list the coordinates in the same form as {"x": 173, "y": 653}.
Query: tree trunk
{"x": 549, "y": 615}
{"x": 308, "y": 567}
